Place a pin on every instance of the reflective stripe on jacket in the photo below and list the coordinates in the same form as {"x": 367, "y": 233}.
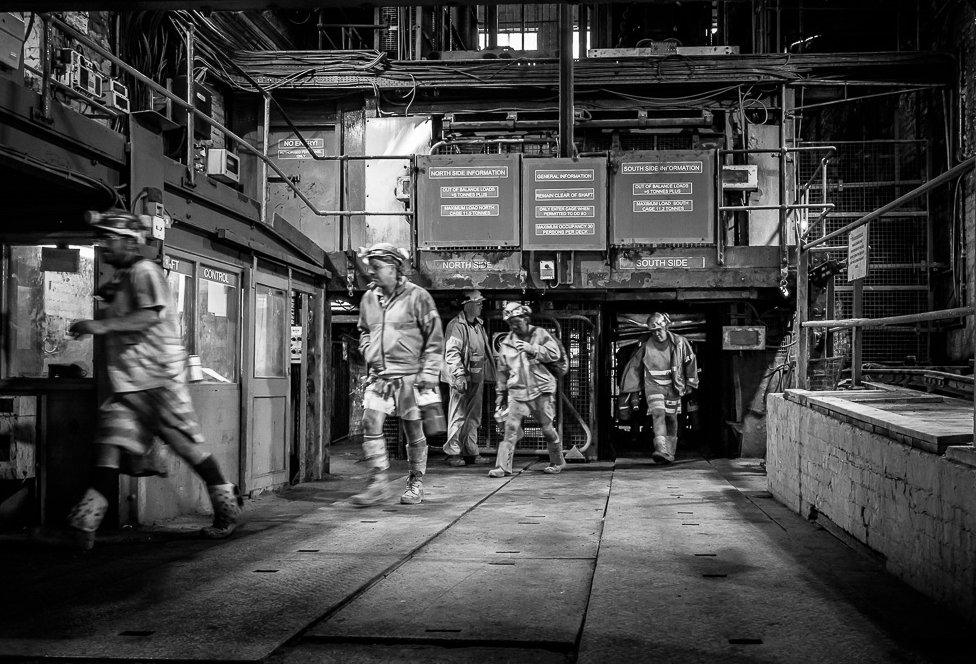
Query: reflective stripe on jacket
{"x": 684, "y": 367}
{"x": 401, "y": 335}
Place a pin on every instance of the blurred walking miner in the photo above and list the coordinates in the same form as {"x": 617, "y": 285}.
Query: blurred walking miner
{"x": 403, "y": 344}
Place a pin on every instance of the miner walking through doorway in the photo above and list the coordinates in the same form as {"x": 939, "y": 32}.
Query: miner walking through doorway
{"x": 666, "y": 369}
{"x": 468, "y": 365}
{"x": 145, "y": 359}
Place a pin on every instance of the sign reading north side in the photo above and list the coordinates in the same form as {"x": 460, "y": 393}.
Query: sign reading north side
{"x": 468, "y": 201}
{"x": 663, "y": 197}
{"x": 564, "y": 203}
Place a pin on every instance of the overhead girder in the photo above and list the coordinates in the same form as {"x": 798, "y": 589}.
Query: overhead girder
{"x": 238, "y": 5}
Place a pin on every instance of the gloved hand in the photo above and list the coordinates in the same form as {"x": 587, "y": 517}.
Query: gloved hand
{"x": 500, "y": 399}
{"x": 421, "y": 383}
{"x": 460, "y": 384}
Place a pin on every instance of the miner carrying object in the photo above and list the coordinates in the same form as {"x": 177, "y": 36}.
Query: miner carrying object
{"x": 402, "y": 341}
{"x": 527, "y": 386}
{"x": 665, "y": 367}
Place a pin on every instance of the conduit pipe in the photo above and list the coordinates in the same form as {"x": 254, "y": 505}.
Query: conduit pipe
{"x": 142, "y": 78}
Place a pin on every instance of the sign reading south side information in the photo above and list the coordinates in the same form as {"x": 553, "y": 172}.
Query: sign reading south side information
{"x": 664, "y": 197}
{"x": 564, "y": 203}
{"x": 467, "y": 201}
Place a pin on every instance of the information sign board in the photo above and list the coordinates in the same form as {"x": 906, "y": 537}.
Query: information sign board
{"x": 467, "y": 201}
{"x": 564, "y": 203}
{"x": 663, "y": 197}
{"x": 857, "y": 253}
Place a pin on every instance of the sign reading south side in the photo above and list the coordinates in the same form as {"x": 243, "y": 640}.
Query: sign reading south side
{"x": 564, "y": 204}
{"x": 468, "y": 201}
{"x": 663, "y": 197}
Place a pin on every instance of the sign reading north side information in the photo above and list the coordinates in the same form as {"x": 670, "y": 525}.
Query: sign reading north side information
{"x": 467, "y": 201}
{"x": 663, "y": 197}
{"x": 564, "y": 203}
{"x": 857, "y": 253}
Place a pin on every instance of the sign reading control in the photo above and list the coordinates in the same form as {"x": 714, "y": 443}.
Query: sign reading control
{"x": 564, "y": 204}
{"x": 664, "y": 197}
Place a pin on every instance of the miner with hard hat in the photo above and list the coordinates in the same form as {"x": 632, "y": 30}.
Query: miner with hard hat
{"x": 403, "y": 344}
{"x": 468, "y": 364}
{"x": 665, "y": 367}
{"x": 526, "y": 386}
{"x": 145, "y": 362}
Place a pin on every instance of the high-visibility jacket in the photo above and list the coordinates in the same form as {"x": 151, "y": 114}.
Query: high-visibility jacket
{"x": 457, "y": 349}
{"x": 684, "y": 367}
{"x": 402, "y": 334}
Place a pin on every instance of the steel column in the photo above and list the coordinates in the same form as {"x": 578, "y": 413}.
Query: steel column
{"x": 566, "y": 145}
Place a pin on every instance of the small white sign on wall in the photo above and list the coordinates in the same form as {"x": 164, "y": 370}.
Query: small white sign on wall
{"x": 857, "y": 253}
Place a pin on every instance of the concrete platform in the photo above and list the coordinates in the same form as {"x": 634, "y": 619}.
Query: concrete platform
{"x": 688, "y": 563}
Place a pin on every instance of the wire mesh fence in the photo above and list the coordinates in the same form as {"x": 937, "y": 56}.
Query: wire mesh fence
{"x": 862, "y": 177}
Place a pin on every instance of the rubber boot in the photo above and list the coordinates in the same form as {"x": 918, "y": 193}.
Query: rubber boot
{"x": 377, "y": 489}
{"x": 504, "y": 459}
{"x": 227, "y": 503}
{"x": 417, "y": 458}
{"x": 86, "y": 517}
{"x": 660, "y": 454}
{"x": 557, "y": 461}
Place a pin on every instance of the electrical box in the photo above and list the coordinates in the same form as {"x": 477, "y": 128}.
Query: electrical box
{"x": 468, "y": 201}
{"x": 223, "y": 165}
{"x": 547, "y": 269}
{"x": 202, "y": 101}
{"x": 663, "y": 197}
{"x": 116, "y": 95}
{"x": 564, "y": 203}
{"x": 743, "y": 338}
{"x": 12, "y": 29}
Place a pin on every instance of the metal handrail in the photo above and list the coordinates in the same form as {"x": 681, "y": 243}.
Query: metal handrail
{"x": 956, "y": 170}
{"x": 880, "y": 322}
{"x": 142, "y": 78}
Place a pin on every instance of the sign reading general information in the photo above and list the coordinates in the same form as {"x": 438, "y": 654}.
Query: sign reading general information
{"x": 664, "y": 197}
{"x": 467, "y": 201}
{"x": 857, "y": 253}
{"x": 564, "y": 203}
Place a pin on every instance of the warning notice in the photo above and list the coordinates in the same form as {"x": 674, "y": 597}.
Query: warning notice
{"x": 565, "y": 211}
{"x": 566, "y": 229}
{"x": 660, "y": 167}
{"x": 295, "y": 149}
{"x": 574, "y": 194}
{"x": 441, "y": 172}
{"x": 564, "y": 175}
{"x": 664, "y": 205}
{"x": 470, "y": 192}
{"x": 662, "y": 188}
{"x": 470, "y": 210}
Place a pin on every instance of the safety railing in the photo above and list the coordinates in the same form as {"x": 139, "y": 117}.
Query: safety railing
{"x": 193, "y": 112}
{"x": 857, "y": 323}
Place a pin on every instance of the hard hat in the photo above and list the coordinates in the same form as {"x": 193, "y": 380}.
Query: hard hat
{"x": 118, "y": 222}
{"x": 385, "y": 252}
{"x": 514, "y": 309}
{"x": 471, "y": 295}
{"x": 657, "y": 320}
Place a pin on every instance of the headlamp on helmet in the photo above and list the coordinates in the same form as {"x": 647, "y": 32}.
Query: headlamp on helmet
{"x": 514, "y": 309}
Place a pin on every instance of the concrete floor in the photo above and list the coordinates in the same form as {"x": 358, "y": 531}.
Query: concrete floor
{"x": 622, "y": 562}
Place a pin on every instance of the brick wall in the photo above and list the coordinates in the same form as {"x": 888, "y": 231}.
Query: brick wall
{"x": 916, "y": 508}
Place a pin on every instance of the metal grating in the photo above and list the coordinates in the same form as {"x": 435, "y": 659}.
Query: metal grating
{"x": 862, "y": 177}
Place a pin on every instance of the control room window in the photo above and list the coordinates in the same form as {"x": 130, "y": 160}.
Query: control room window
{"x": 270, "y": 316}
{"x": 47, "y": 289}
{"x": 218, "y": 311}
{"x": 179, "y": 275}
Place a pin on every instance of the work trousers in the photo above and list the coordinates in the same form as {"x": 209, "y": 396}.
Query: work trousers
{"x": 543, "y": 409}
{"x": 663, "y": 405}
{"x": 464, "y": 413}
